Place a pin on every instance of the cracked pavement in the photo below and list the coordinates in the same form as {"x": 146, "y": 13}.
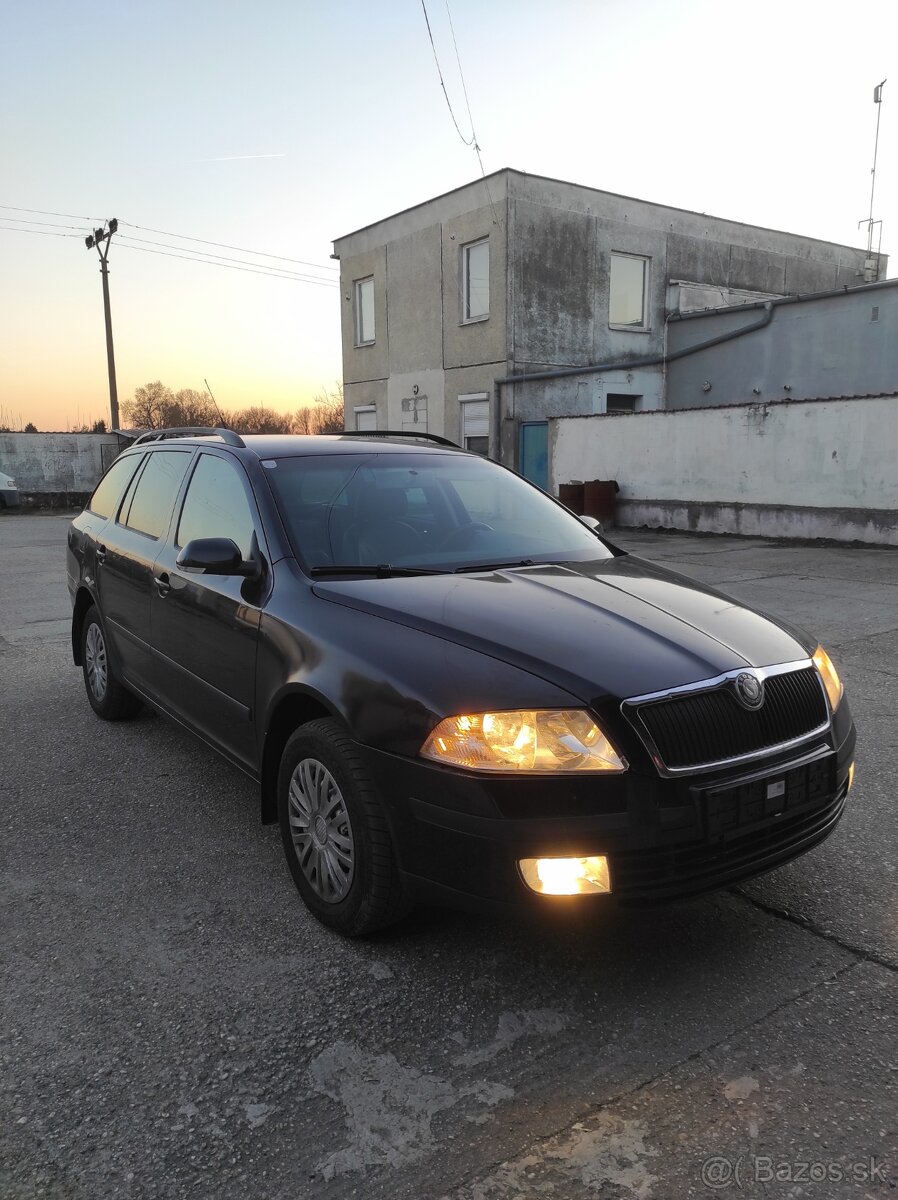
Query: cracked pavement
{"x": 173, "y": 1023}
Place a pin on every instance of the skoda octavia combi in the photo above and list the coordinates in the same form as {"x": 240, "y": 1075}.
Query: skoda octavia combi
{"x": 446, "y": 685}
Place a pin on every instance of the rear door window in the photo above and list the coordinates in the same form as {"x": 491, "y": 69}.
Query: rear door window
{"x": 153, "y": 498}
{"x": 105, "y": 499}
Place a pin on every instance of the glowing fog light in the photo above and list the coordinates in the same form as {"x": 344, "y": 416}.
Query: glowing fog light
{"x": 567, "y": 876}
{"x": 850, "y": 779}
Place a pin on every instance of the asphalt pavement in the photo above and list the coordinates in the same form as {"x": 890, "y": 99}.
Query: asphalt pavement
{"x": 174, "y": 1024}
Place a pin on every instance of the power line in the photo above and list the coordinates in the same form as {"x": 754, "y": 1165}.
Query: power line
{"x": 274, "y": 272}
{"x": 125, "y": 241}
{"x": 43, "y": 213}
{"x": 225, "y": 246}
{"x": 207, "y": 255}
{"x": 38, "y": 232}
{"x": 467, "y": 141}
{"x": 473, "y": 139}
{"x": 461, "y": 75}
{"x": 464, "y": 89}
{"x": 211, "y": 259}
{"x": 48, "y": 224}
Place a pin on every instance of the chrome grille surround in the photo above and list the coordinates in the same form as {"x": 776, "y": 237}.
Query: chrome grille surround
{"x": 632, "y": 706}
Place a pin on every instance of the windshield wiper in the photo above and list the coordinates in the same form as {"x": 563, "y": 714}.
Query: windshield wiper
{"x": 382, "y": 571}
{"x": 497, "y": 566}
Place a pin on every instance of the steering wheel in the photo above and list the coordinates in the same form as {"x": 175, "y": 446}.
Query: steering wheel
{"x": 458, "y": 537}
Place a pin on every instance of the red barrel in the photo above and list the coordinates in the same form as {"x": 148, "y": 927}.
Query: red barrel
{"x": 571, "y": 496}
{"x": 600, "y": 499}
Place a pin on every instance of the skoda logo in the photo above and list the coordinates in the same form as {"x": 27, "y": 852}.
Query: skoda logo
{"x": 750, "y": 690}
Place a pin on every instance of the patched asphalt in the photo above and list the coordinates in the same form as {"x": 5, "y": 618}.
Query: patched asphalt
{"x": 173, "y": 1023}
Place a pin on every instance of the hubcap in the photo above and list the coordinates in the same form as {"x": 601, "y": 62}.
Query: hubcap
{"x": 95, "y": 662}
{"x": 321, "y": 830}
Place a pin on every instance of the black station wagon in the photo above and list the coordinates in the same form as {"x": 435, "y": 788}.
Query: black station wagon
{"x": 448, "y": 686}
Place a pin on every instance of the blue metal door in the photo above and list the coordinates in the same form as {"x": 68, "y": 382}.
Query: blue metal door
{"x": 535, "y": 452}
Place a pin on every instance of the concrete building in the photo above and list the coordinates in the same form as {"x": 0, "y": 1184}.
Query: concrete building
{"x": 832, "y": 344}
{"x": 447, "y": 306}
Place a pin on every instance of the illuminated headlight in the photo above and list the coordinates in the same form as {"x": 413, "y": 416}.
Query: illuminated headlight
{"x": 830, "y": 677}
{"x": 567, "y": 876}
{"x": 540, "y": 742}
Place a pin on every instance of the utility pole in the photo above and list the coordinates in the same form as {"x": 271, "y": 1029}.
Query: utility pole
{"x": 101, "y": 238}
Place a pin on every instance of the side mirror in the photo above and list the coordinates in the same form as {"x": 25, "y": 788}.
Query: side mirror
{"x": 593, "y": 523}
{"x": 215, "y": 556}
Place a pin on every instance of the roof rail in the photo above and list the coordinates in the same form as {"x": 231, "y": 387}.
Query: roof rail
{"x": 161, "y": 435}
{"x": 399, "y": 433}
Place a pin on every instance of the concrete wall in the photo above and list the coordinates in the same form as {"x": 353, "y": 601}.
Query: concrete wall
{"x": 818, "y": 469}
{"x": 841, "y": 345}
{"x": 51, "y": 468}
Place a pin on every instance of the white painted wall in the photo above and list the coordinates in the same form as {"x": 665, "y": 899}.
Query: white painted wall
{"x": 53, "y": 463}
{"x": 700, "y": 466}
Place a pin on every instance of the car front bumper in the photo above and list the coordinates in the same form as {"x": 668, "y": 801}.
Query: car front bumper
{"x": 9, "y": 497}
{"x": 460, "y": 835}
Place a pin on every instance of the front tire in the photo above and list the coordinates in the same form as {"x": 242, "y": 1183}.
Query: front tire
{"x": 108, "y": 696}
{"x": 335, "y": 835}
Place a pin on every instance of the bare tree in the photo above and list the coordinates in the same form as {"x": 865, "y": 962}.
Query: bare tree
{"x": 259, "y": 420}
{"x": 329, "y": 411}
{"x": 194, "y": 408}
{"x": 304, "y": 420}
{"x": 151, "y": 406}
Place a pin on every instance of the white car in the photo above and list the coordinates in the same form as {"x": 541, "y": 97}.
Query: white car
{"x": 9, "y": 493}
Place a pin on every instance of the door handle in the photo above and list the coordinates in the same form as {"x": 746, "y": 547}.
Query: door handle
{"x": 163, "y": 584}
{"x": 101, "y": 553}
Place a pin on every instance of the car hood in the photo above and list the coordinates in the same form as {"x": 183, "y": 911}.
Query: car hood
{"x": 620, "y": 627}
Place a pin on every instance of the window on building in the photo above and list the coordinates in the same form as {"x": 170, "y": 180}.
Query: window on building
{"x": 475, "y": 423}
{"x": 366, "y": 417}
{"x": 364, "y": 311}
{"x": 475, "y": 281}
{"x": 152, "y": 501}
{"x": 628, "y": 297}
{"x": 617, "y": 402}
{"x": 216, "y": 505}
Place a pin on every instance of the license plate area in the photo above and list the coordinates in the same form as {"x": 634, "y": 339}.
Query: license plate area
{"x": 761, "y": 799}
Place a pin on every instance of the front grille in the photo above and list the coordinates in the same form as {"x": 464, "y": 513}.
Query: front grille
{"x": 696, "y": 867}
{"x": 699, "y": 728}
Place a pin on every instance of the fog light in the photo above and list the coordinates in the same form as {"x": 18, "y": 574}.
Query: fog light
{"x": 850, "y": 779}
{"x": 567, "y": 876}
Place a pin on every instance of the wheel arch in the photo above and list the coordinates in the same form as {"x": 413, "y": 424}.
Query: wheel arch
{"x": 290, "y": 711}
{"x": 84, "y": 601}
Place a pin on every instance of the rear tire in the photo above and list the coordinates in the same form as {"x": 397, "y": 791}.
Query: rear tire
{"x": 108, "y": 696}
{"x": 336, "y": 840}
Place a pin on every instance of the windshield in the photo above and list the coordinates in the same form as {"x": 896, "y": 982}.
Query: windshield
{"x": 434, "y": 511}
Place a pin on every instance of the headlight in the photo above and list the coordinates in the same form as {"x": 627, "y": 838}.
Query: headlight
{"x": 525, "y": 740}
{"x": 830, "y": 677}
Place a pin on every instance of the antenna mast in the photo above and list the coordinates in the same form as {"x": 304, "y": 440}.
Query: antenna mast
{"x": 871, "y": 265}
{"x": 214, "y": 401}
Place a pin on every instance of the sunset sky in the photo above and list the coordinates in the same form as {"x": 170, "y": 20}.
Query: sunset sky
{"x": 278, "y": 126}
